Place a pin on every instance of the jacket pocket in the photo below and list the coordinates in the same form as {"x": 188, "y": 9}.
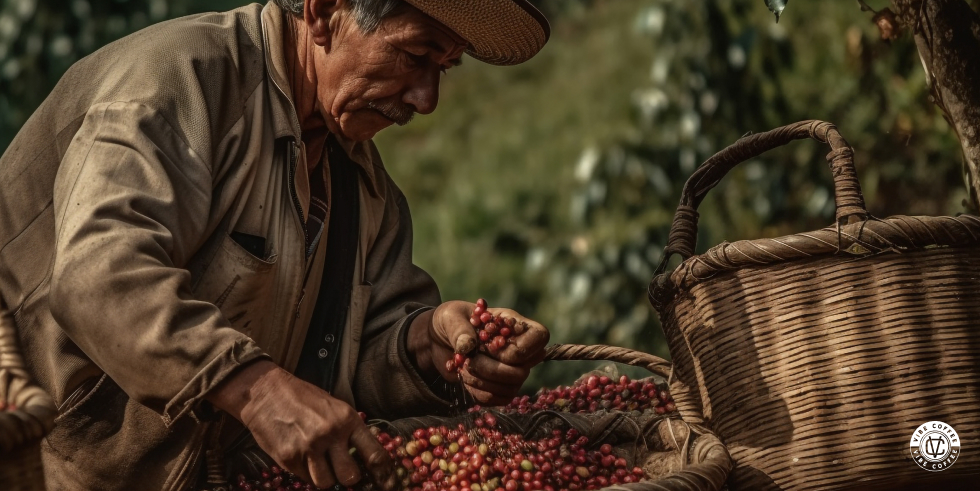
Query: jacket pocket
{"x": 80, "y": 395}
{"x": 241, "y": 285}
{"x": 254, "y": 244}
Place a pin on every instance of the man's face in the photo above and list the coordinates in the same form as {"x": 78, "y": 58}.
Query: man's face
{"x": 367, "y": 81}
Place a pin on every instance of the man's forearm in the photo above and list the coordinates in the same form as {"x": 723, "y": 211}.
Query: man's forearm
{"x": 244, "y": 385}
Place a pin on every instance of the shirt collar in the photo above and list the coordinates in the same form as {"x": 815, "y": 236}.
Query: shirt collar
{"x": 284, "y": 119}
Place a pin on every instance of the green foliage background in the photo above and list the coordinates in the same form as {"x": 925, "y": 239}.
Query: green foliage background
{"x": 549, "y": 187}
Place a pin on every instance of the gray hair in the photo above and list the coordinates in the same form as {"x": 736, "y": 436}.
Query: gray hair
{"x": 367, "y": 13}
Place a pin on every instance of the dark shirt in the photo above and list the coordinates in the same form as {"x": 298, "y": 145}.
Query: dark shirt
{"x": 321, "y": 349}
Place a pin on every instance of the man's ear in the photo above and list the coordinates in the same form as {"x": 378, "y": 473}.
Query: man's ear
{"x": 320, "y": 16}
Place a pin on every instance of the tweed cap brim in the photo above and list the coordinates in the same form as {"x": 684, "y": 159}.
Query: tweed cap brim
{"x": 499, "y": 32}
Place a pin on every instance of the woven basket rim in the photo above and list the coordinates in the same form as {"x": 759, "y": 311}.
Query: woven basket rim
{"x": 896, "y": 234}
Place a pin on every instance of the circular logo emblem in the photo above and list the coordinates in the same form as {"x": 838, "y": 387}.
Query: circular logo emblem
{"x": 935, "y": 446}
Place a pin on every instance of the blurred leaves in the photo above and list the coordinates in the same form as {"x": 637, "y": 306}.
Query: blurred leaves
{"x": 40, "y": 39}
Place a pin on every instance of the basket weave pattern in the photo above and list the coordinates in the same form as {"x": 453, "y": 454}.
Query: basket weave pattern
{"x": 815, "y": 356}
{"x": 21, "y": 429}
{"x": 815, "y": 373}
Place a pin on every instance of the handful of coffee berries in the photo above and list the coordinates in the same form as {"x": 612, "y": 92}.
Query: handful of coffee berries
{"x": 493, "y": 332}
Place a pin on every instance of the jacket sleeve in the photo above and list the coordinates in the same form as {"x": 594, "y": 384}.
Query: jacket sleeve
{"x": 386, "y": 382}
{"x": 131, "y": 206}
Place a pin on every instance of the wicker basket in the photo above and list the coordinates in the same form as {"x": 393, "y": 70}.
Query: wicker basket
{"x": 677, "y": 456}
{"x": 705, "y": 462}
{"x": 816, "y": 356}
{"x": 23, "y": 427}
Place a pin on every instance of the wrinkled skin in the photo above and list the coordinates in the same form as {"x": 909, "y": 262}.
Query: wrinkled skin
{"x": 349, "y": 82}
{"x": 355, "y": 84}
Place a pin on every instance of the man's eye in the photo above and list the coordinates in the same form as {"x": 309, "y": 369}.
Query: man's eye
{"x": 414, "y": 60}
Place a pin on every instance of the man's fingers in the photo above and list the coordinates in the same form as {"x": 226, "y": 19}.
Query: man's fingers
{"x": 375, "y": 458}
{"x": 320, "y": 473}
{"x": 461, "y": 334}
{"x": 484, "y": 397}
{"x": 534, "y": 359}
{"x": 299, "y": 466}
{"x": 535, "y": 338}
{"x": 464, "y": 342}
{"x": 526, "y": 348}
{"x": 527, "y": 333}
{"x": 487, "y": 368}
{"x": 507, "y": 391}
{"x": 344, "y": 466}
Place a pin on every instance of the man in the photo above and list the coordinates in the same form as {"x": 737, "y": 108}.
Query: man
{"x": 196, "y": 211}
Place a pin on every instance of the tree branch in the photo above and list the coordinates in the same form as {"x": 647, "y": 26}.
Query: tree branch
{"x": 947, "y": 33}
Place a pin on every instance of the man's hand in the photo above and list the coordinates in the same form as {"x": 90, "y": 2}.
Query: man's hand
{"x": 437, "y": 335}
{"x": 303, "y": 428}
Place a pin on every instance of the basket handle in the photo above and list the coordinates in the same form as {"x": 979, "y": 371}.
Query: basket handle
{"x": 36, "y": 410}
{"x": 847, "y": 189}
{"x": 626, "y": 356}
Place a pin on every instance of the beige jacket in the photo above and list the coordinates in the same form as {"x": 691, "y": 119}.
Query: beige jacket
{"x": 117, "y": 199}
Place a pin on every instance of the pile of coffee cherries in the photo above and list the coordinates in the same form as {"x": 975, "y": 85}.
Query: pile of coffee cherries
{"x": 492, "y": 331}
{"x": 274, "y": 478}
{"x": 597, "y": 392}
{"x": 481, "y": 458}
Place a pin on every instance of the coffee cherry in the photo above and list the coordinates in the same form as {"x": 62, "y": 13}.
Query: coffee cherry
{"x": 493, "y": 333}
{"x": 597, "y": 392}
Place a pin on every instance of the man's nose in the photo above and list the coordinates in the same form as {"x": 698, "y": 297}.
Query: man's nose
{"x": 423, "y": 92}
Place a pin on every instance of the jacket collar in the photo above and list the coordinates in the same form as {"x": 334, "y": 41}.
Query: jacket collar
{"x": 285, "y": 122}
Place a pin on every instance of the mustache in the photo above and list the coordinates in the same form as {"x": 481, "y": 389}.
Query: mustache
{"x": 399, "y": 113}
